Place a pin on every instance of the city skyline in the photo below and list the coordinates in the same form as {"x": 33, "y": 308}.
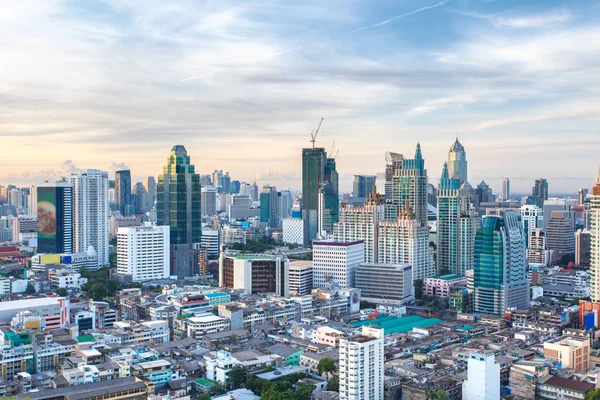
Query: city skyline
{"x": 232, "y": 83}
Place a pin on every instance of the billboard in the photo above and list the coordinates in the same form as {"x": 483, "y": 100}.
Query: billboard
{"x": 47, "y": 222}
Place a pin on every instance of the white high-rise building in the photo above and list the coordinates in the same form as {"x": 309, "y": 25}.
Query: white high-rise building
{"x": 532, "y": 218}
{"x": 300, "y": 278}
{"x": 208, "y": 202}
{"x": 595, "y": 241}
{"x": 293, "y": 231}
{"x": 91, "y": 212}
{"x": 336, "y": 262}
{"x": 404, "y": 241}
{"x": 483, "y": 382}
{"x": 361, "y": 366}
{"x": 505, "y": 189}
{"x": 143, "y": 252}
{"x": 359, "y": 222}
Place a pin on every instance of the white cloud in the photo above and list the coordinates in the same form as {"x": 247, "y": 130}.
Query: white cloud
{"x": 533, "y": 21}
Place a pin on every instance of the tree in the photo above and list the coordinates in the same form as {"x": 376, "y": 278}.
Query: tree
{"x": 30, "y": 288}
{"x": 439, "y": 395}
{"x": 593, "y": 395}
{"x": 62, "y": 292}
{"x": 304, "y": 390}
{"x": 418, "y": 289}
{"x": 236, "y": 377}
{"x": 326, "y": 365}
{"x": 203, "y": 396}
{"x": 444, "y": 271}
{"x": 333, "y": 384}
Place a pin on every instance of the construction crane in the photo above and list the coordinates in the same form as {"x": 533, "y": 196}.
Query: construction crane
{"x": 213, "y": 227}
{"x": 313, "y": 136}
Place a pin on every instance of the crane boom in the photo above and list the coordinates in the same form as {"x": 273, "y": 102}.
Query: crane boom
{"x": 313, "y": 136}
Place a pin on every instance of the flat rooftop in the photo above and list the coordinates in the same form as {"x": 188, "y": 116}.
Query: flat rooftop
{"x": 92, "y": 390}
{"x": 29, "y": 303}
{"x": 391, "y": 324}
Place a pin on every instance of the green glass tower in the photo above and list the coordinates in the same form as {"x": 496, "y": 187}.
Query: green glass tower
{"x": 178, "y": 205}
{"x": 314, "y": 162}
{"x": 409, "y": 186}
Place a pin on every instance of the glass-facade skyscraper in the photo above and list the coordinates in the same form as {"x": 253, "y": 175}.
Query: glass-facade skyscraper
{"x": 179, "y": 206}
{"x": 314, "y": 161}
{"x": 500, "y": 266}
{"x": 123, "y": 191}
{"x": 409, "y": 186}
{"x": 54, "y": 205}
{"x": 457, "y": 162}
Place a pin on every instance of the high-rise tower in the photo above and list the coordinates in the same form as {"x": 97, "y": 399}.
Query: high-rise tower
{"x": 123, "y": 190}
{"x": 595, "y": 241}
{"x": 409, "y": 186}
{"x": 179, "y": 206}
{"x": 457, "y": 162}
{"x": 314, "y": 162}
{"x": 505, "y": 189}
{"x": 54, "y": 208}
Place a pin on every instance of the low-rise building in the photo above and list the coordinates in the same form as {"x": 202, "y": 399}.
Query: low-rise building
{"x": 442, "y": 285}
{"x": 557, "y": 388}
{"x": 571, "y": 352}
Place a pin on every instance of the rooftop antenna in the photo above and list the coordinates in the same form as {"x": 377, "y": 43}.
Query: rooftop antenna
{"x": 313, "y": 136}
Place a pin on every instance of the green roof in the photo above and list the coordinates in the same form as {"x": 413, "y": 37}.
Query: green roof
{"x": 391, "y": 324}
{"x": 85, "y": 338}
{"x": 449, "y": 277}
{"x": 205, "y": 382}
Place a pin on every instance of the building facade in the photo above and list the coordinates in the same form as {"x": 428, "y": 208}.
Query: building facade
{"x": 483, "y": 380}
{"x": 457, "y": 162}
{"x": 336, "y": 262}
{"x": 361, "y": 370}
{"x": 255, "y": 274}
{"x": 143, "y": 252}
{"x": 54, "y": 209}
{"x": 385, "y": 282}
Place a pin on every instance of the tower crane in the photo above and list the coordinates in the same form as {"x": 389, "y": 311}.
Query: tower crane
{"x": 313, "y": 136}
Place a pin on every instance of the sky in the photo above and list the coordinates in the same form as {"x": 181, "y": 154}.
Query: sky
{"x": 115, "y": 84}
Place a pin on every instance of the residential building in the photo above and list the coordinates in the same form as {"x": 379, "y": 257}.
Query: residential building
{"x": 554, "y": 204}
{"x": 336, "y": 262}
{"x": 179, "y": 207}
{"x": 505, "y": 188}
{"x": 539, "y": 191}
{"x": 483, "y": 381}
{"x": 117, "y": 222}
{"x": 571, "y": 352}
{"x": 25, "y": 228}
{"x": 159, "y": 372}
{"x": 532, "y": 218}
{"x": 300, "y": 277}
{"x": 199, "y": 326}
{"x": 524, "y": 377}
{"x": 257, "y": 274}
{"x": 409, "y": 187}
{"x": 361, "y": 370}
{"x": 293, "y": 231}
{"x": 360, "y": 222}
{"x": 54, "y": 210}
{"x": 123, "y": 191}
{"x": 595, "y": 242}
{"x": 457, "y": 224}
{"x": 559, "y": 388}
{"x": 139, "y": 198}
{"x": 16, "y": 354}
{"x": 537, "y": 250}
{"x": 363, "y": 185}
{"x": 405, "y": 241}
{"x": 457, "y": 162}
{"x": 90, "y": 212}
{"x": 500, "y": 273}
{"x": 583, "y": 241}
{"x": 151, "y": 192}
{"x": 441, "y": 286}
{"x": 143, "y": 252}
{"x": 385, "y": 282}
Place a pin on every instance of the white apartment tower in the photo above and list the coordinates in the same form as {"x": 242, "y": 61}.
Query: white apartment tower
{"x": 595, "y": 241}
{"x": 404, "y": 241}
{"x": 336, "y": 262}
{"x": 300, "y": 278}
{"x": 143, "y": 252}
{"x": 532, "y": 218}
{"x": 90, "y": 212}
{"x": 483, "y": 382}
{"x": 361, "y": 366}
{"x": 359, "y": 222}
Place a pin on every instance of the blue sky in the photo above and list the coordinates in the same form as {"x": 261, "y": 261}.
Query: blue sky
{"x": 242, "y": 84}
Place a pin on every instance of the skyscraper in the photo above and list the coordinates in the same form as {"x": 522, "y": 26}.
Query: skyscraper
{"x": 90, "y": 212}
{"x": 561, "y": 234}
{"x": 179, "y": 206}
{"x": 505, "y": 189}
{"x": 268, "y": 206}
{"x": 539, "y": 192}
{"x": 361, "y": 365}
{"x": 313, "y": 175}
{"x": 500, "y": 267}
{"x": 140, "y": 198}
{"x": 456, "y": 226}
{"x": 329, "y": 203}
{"x": 54, "y": 209}
{"x": 363, "y": 185}
{"x": 409, "y": 186}
{"x": 582, "y": 194}
{"x": 151, "y": 192}
{"x": 532, "y": 218}
{"x": 457, "y": 162}
{"x": 123, "y": 190}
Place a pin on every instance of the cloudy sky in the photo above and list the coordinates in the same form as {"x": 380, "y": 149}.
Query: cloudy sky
{"x": 115, "y": 83}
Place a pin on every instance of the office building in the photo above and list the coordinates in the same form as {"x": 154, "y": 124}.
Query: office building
{"x": 393, "y": 163}
{"x": 532, "y": 218}
{"x": 505, "y": 189}
{"x": 179, "y": 206}
{"x": 314, "y": 162}
{"x": 151, "y": 192}
{"x": 457, "y": 162}
{"x": 500, "y": 282}
{"x": 139, "y": 198}
{"x": 143, "y": 252}
{"x": 456, "y": 226}
{"x": 582, "y": 195}
{"x": 117, "y": 221}
{"x": 571, "y": 352}
{"x": 328, "y": 209}
{"x": 360, "y": 222}
{"x": 409, "y": 186}
{"x": 209, "y": 201}
{"x": 361, "y": 370}
{"x": 583, "y": 240}
{"x": 300, "y": 278}
{"x": 561, "y": 234}
{"x": 484, "y": 193}
{"x": 269, "y": 207}
{"x": 54, "y": 209}
{"x": 387, "y": 283}
{"x": 443, "y": 285}
{"x": 483, "y": 380}
{"x": 255, "y": 274}
{"x": 595, "y": 241}
{"x": 539, "y": 191}
{"x": 404, "y": 241}
{"x": 123, "y": 190}
{"x": 537, "y": 249}
{"x": 336, "y": 262}
{"x": 363, "y": 185}
{"x": 90, "y": 212}
{"x": 554, "y": 204}
{"x": 293, "y": 231}
{"x": 254, "y": 191}
{"x": 24, "y": 228}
